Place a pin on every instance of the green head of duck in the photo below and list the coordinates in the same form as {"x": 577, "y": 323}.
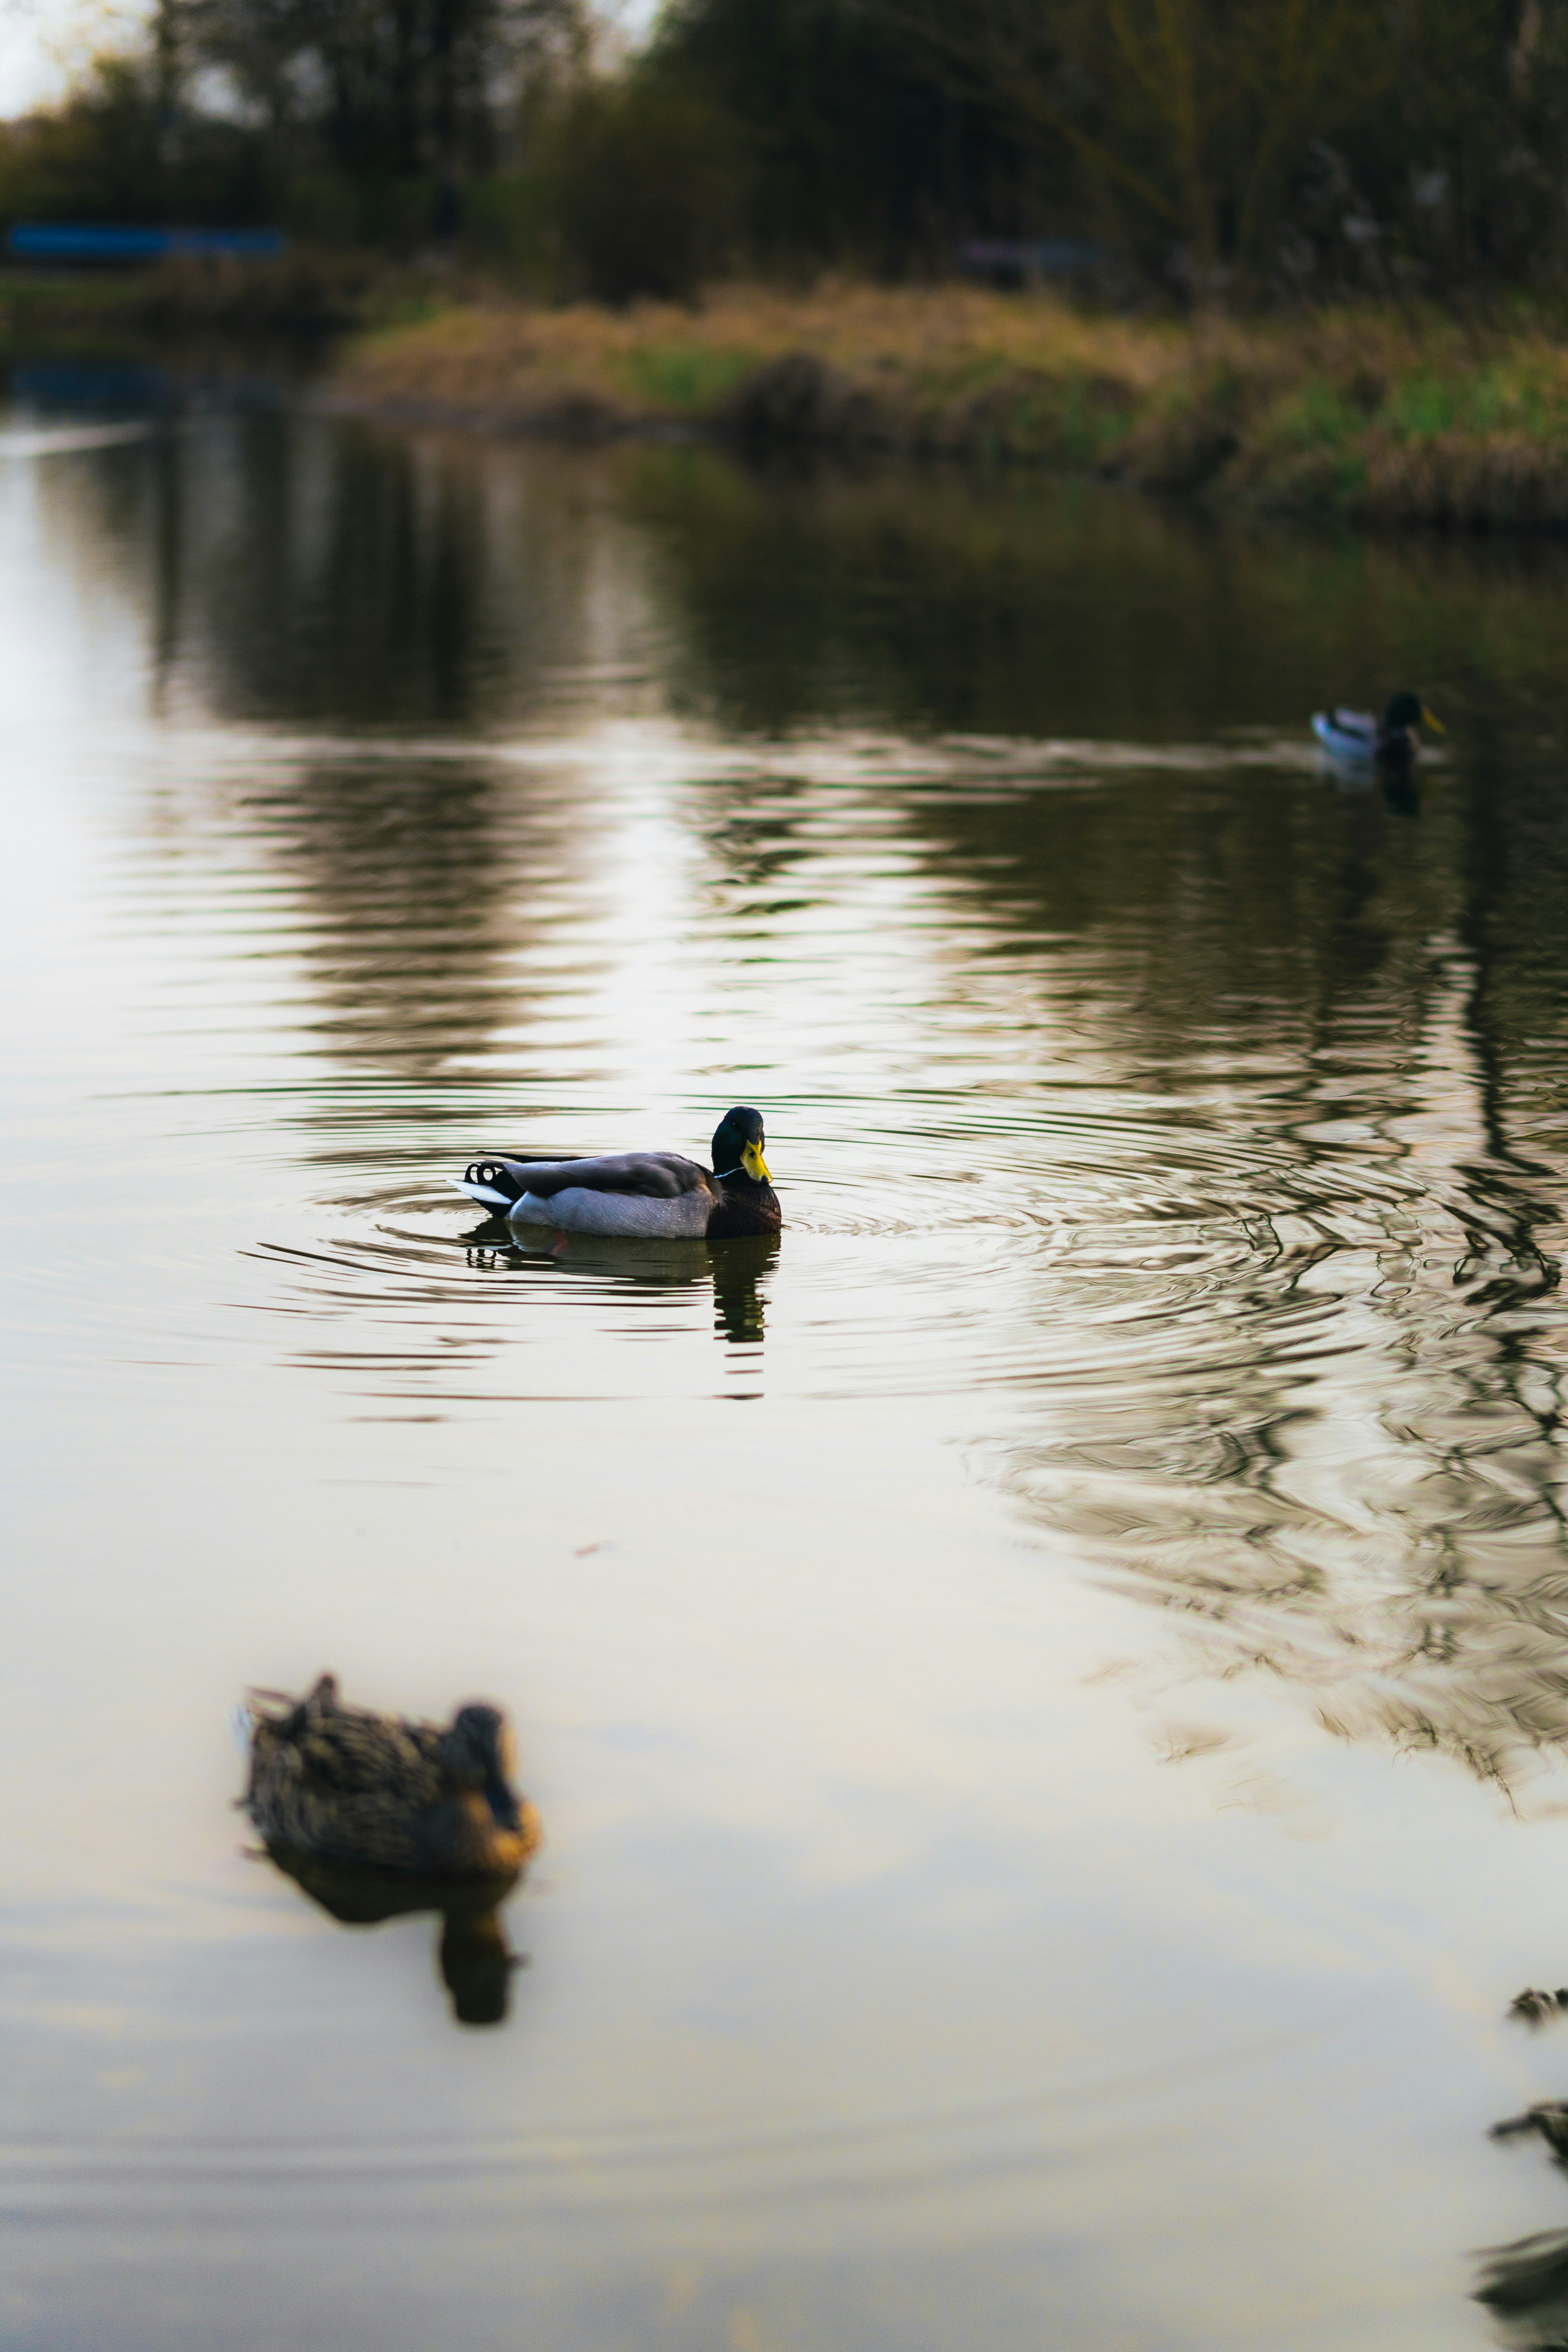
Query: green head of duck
{"x": 738, "y": 1146}
{"x": 1407, "y": 711}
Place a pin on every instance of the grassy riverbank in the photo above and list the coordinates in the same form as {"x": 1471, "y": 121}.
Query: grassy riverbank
{"x": 1378, "y": 415}
{"x": 305, "y": 299}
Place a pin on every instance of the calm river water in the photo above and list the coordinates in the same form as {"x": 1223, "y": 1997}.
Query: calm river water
{"x": 1047, "y": 1687}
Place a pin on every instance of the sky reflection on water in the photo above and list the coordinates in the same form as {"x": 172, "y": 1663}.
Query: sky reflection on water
{"x": 1045, "y": 1685}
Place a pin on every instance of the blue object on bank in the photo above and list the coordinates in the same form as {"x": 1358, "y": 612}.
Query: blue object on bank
{"x": 1023, "y": 257}
{"x": 62, "y": 241}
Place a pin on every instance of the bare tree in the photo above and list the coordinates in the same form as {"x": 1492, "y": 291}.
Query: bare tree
{"x": 386, "y": 86}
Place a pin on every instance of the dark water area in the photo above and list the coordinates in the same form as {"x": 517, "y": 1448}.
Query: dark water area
{"x": 1045, "y": 1684}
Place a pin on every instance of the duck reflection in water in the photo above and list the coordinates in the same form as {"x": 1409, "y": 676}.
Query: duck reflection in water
{"x": 737, "y": 1269}
{"x": 376, "y": 1816}
{"x": 473, "y": 1955}
{"x": 1398, "y": 788}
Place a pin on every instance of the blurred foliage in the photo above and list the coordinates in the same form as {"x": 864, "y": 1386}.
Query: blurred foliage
{"x": 349, "y": 122}
{"x": 857, "y": 152}
{"x": 1282, "y": 143}
{"x": 106, "y": 155}
{"x": 385, "y": 92}
{"x": 645, "y": 178}
{"x": 1250, "y": 149}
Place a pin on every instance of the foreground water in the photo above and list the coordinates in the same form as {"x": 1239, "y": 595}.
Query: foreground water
{"x": 1047, "y": 1687}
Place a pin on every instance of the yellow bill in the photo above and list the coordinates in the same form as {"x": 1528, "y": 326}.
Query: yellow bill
{"x": 756, "y": 1166}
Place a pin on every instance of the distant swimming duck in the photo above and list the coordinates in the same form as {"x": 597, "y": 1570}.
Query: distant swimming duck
{"x": 383, "y": 1792}
{"x": 647, "y": 1192}
{"x": 1390, "y": 741}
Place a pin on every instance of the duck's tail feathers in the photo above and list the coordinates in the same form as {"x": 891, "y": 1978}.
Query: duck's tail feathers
{"x": 1345, "y": 730}
{"x": 283, "y": 1711}
{"x": 491, "y": 1182}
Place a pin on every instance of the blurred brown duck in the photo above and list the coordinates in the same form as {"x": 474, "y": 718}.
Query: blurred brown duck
{"x": 383, "y": 1792}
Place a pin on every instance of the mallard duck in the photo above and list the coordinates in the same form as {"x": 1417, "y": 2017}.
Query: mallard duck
{"x": 647, "y": 1192}
{"x": 381, "y": 1793}
{"x": 1390, "y": 741}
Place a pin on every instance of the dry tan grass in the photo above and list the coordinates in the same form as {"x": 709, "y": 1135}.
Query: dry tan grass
{"x": 1384, "y": 414}
{"x": 657, "y": 359}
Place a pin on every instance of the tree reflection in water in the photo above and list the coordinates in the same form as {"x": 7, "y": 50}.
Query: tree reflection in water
{"x": 1341, "y": 1462}
{"x": 1525, "y": 2285}
{"x": 1225, "y": 1210}
{"x": 1332, "y": 1447}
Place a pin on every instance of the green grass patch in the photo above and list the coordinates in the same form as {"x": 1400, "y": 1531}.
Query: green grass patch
{"x": 1420, "y": 407}
{"x": 689, "y": 377}
{"x": 1317, "y": 416}
{"x": 389, "y": 315}
{"x": 37, "y": 296}
{"x": 1085, "y": 429}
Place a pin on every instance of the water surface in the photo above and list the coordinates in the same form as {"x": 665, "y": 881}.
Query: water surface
{"x": 1047, "y": 1686}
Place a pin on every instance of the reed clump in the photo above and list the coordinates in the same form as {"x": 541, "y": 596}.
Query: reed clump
{"x": 894, "y": 367}
{"x": 1376, "y": 415}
